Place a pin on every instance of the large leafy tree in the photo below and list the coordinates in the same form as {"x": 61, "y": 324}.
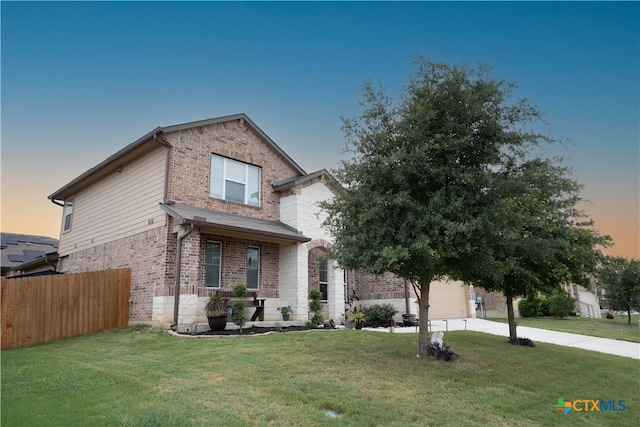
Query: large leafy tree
{"x": 421, "y": 175}
{"x": 620, "y": 278}
{"x": 537, "y": 240}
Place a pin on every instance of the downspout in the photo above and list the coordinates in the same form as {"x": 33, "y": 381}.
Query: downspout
{"x": 176, "y": 301}
{"x": 157, "y": 137}
{"x": 56, "y": 203}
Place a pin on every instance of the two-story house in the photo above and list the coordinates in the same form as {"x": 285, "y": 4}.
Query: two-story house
{"x": 198, "y": 207}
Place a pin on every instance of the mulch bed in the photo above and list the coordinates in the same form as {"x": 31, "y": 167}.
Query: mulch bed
{"x": 255, "y": 330}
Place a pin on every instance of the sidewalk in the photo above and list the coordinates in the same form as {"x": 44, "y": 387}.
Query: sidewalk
{"x": 585, "y": 342}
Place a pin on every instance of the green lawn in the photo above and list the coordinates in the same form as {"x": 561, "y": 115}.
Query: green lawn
{"x": 616, "y": 328}
{"x": 130, "y": 378}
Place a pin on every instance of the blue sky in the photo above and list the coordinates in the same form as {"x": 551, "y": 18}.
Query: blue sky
{"x": 82, "y": 80}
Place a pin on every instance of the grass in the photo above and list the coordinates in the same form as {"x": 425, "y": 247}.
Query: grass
{"x": 127, "y": 377}
{"x": 616, "y": 328}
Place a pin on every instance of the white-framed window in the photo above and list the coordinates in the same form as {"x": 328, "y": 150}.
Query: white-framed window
{"x": 253, "y": 267}
{"x": 68, "y": 214}
{"x": 235, "y": 181}
{"x": 323, "y": 268}
{"x": 212, "y": 264}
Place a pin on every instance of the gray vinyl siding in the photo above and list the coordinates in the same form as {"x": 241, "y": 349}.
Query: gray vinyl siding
{"x": 118, "y": 206}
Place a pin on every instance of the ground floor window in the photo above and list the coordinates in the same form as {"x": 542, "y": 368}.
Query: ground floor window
{"x": 324, "y": 277}
{"x": 213, "y": 259}
{"x": 253, "y": 267}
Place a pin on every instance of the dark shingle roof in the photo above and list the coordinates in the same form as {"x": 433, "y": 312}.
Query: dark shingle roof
{"x": 20, "y": 248}
{"x": 226, "y": 223}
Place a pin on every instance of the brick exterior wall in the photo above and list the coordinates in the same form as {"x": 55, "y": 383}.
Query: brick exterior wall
{"x": 234, "y": 264}
{"x": 190, "y": 166}
{"x": 233, "y": 267}
{"x": 370, "y": 286}
{"x": 313, "y": 269}
{"x": 145, "y": 253}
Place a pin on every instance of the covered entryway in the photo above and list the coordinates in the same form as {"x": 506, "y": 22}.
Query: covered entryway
{"x": 323, "y": 274}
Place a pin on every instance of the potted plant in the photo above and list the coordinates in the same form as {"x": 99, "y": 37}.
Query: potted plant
{"x": 358, "y": 319}
{"x": 350, "y": 309}
{"x": 286, "y": 311}
{"x": 216, "y": 312}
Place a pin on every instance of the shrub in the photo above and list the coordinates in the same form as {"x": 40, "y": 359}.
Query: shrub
{"x": 441, "y": 353}
{"x": 561, "y": 305}
{"x": 379, "y": 314}
{"x": 521, "y": 341}
{"x": 315, "y": 306}
{"x": 530, "y": 306}
{"x": 545, "y": 304}
{"x": 237, "y": 308}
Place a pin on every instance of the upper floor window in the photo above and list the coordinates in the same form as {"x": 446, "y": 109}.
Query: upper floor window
{"x": 68, "y": 214}
{"x": 235, "y": 181}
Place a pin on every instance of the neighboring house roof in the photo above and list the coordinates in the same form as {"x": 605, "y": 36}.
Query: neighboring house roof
{"x": 234, "y": 225}
{"x": 147, "y": 142}
{"x": 18, "y": 249}
{"x": 43, "y": 261}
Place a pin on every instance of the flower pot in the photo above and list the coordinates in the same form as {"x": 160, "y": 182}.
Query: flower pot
{"x": 285, "y": 317}
{"x": 359, "y": 324}
{"x": 218, "y": 323}
{"x": 348, "y": 324}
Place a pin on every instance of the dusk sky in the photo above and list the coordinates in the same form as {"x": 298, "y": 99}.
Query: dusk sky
{"x": 82, "y": 80}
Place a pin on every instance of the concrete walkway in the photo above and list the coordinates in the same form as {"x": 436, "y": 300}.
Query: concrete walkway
{"x": 602, "y": 345}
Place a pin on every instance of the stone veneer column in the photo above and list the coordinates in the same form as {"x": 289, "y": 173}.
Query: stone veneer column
{"x": 335, "y": 304}
{"x": 294, "y": 280}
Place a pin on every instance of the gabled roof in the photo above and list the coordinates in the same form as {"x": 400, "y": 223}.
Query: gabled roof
{"x": 18, "y": 249}
{"x": 294, "y": 181}
{"x": 148, "y": 142}
{"x": 234, "y": 225}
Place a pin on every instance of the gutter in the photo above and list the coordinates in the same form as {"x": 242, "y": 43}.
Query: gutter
{"x": 176, "y": 301}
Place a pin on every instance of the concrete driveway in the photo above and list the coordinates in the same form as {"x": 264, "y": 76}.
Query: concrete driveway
{"x": 585, "y": 342}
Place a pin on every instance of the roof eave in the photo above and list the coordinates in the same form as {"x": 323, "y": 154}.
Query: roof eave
{"x": 239, "y": 116}
{"x": 290, "y": 183}
{"x": 66, "y": 191}
{"x": 112, "y": 163}
{"x": 240, "y": 230}
{"x": 46, "y": 259}
{"x": 280, "y": 237}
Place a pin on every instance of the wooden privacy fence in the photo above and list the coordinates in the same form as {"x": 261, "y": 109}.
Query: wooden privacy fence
{"x": 39, "y": 309}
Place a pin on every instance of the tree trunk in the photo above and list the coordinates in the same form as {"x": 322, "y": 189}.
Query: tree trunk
{"x": 628, "y": 315}
{"x": 423, "y": 316}
{"x": 512, "y": 319}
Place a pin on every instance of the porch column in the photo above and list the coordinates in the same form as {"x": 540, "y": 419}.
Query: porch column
{"x": 335, "y": 302}
{"x": 294, "y": 280}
